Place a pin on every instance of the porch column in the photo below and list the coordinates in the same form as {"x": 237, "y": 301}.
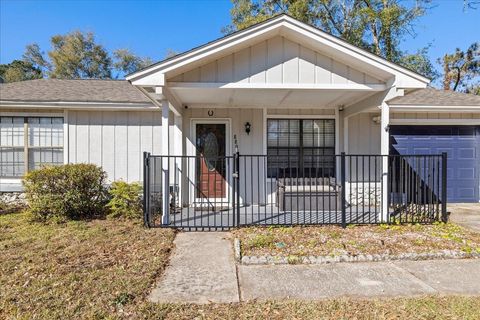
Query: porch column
{"x": 385, "y": 150}
{"x": 165, "y": 172}
{"x": 178, "y": 151}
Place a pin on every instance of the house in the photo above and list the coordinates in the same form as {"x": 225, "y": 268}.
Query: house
{"x": 288, "y": 95}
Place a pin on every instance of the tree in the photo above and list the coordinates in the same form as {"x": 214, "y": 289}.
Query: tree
{"x": 420, "y": 63}
{"x": 471, "y": 4}
{"x": 170, "y": 53}
{"x": 461, "y": 69}
{"x": 34, "y": 56}
{"x": 335, "y": 17}
{"x": 127, "y": 62}
{"x": 77, "y": 55}
{"x": 375, "y": 25}
{"x": 388, "y": 21}
{"x": 19, "y": 70}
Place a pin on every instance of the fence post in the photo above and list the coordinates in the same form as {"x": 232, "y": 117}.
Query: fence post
{"x": 234, "y": 197}
{"x": 237, "y": 169}
{"x": 165, "y": 190}
{"x": 343, "y": 191}
{"x": 146, "y": 175}
{"x": 444, "y": 187}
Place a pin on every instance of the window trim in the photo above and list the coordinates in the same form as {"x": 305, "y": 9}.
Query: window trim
{"x": 301, "y": 147}
{"x": 26, "y": 144}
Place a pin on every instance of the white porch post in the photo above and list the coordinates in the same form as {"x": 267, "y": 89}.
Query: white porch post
{"x": 165, "y": 171}
{"x": 385, "y": 146}
{"x": 177, "y": 151}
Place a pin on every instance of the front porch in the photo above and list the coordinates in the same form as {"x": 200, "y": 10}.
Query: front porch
{"x": 254, "y": 126}
{"x": 244, "y": 190}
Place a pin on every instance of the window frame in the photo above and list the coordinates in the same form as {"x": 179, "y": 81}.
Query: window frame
{"x": 300, "y": 169}
{"x": 27, "y": 147}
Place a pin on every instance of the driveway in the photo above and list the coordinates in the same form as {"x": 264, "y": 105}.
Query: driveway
{"x": 466, "y": 214}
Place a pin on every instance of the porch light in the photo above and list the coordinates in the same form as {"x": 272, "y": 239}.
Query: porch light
{"x": 248, "y": 127}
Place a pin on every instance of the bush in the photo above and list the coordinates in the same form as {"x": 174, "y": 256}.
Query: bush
{"x": 125, "y": 200}
{"x": 71, "y": 191}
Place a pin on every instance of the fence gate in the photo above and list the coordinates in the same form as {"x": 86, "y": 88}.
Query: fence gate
{"x": 218, "y": 193}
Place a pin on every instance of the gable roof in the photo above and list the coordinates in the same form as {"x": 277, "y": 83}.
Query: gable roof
{"x": 282, "y": 20}
{"x": 63, "y": 90}
{"x": 434, "y": 97}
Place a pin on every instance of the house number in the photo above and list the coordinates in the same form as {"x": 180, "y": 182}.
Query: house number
{"x": 210, "y": 113}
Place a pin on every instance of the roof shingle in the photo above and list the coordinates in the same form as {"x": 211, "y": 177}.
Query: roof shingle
{"x": 63, "y": 90}
{"x": 434, "y": 97}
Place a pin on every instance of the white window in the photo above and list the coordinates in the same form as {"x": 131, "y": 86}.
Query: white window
{"x": 27, "y": 143}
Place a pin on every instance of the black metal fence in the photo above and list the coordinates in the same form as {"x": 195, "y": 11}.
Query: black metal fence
{"x": 224, "y": 192}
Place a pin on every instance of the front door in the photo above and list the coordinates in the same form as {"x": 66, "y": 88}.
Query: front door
{"x": 211, "y": 162}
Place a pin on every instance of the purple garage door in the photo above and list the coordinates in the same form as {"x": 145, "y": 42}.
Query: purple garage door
{"x": 462, "y": 143}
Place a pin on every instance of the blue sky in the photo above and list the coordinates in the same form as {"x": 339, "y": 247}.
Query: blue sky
{"x": 150, "y": 28}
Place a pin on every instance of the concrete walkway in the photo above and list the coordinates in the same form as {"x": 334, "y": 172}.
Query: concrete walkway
{"x": 202, "y": 270}
{"x": 466, "y": 215}
{"x": 367, "y": 280}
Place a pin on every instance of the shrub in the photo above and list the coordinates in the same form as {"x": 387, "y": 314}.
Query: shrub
{"x": 125, "y": 200}
{"x": 71, "y": 191}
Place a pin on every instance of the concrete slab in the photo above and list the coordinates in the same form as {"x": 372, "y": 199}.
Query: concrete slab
{"x": 447, "y": 276}
{"x": 312, "y": 282}
{"x": 466, "y": 215}
{"x": 201, "y": 270}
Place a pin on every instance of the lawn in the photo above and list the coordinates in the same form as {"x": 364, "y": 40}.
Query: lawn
{"x": 355, "y": 240}
{"x": 95, "y": 269}
{"x": 437, "y": 308}
{"x": 104, "y": 269}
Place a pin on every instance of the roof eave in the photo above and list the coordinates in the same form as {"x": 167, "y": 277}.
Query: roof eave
{"x": 87, "y": 105}
{"x": 273, "y": 22}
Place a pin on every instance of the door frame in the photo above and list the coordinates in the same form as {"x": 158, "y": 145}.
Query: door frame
{"x": 228, "y": 152}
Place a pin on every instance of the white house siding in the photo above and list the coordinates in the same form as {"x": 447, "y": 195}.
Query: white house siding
{"x": 114, "y": 140}
{"x": 363, "y": 134}
{"x": 276, "y": 60}
{"x": 363, "y": 139}
{"x": 248, "y": 144}
{"x": 434, "y": 115}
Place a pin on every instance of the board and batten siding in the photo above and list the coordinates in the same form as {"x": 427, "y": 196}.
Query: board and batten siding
{"x": 434, "y": 115}
{"x": 276, "y": 60}
{"x": 114, "y": 140}
{"x": 363, "y": 134}
{"x": 247, "y": 143}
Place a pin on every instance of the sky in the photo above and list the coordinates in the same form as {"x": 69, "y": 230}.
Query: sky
{"x": 151, "y": 28}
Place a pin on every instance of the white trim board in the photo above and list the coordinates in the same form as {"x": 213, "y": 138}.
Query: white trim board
{"x": 113, "y": 106}
{"x": 278, "y": 86}
{"x": 433, "y": 122}
{"x": 305, "y": 116}
{"x": 31, "y": 114}
{"x": 228, "y": 152}
{"x": 417, "y": 108}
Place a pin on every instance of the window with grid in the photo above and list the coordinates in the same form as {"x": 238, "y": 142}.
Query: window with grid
{"x": 27, "y": 143}
{"x": 301, "y": 147}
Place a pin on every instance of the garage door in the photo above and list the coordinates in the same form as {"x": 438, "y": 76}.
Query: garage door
{"x": 462, "y": 143}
